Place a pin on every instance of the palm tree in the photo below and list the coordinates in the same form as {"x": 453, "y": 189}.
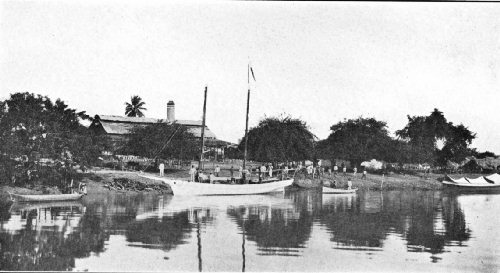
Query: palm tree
{"x": 134, "y": 108}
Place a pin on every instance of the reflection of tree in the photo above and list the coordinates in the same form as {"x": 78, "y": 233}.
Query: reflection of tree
{"x": 276, "y": 231}
{"x": 46, "y": 248}
{"x": 423, "y": 233}
{"x": 454, "y": 220}
{"x": 166, "y": 233}
{"x": 54, "y": 247}
{"x": 4, "y": 211}
{"x": 412, "y": 214}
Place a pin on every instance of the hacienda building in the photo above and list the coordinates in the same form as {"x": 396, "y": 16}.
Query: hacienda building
{"x": 118, "y": 128}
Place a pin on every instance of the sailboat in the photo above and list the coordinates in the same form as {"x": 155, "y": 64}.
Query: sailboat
{"x": 181, "y": 187}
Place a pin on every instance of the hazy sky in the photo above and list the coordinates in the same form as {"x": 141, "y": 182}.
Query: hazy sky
{"x": 321, "y": 62}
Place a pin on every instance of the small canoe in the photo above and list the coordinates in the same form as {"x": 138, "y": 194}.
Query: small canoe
{"x": 45, "y": 197}
{"x": 338, "y": 191}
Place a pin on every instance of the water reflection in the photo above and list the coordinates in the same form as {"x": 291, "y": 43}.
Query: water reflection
{"x": 364, "y": 222}
{"x": 68, "y": 236}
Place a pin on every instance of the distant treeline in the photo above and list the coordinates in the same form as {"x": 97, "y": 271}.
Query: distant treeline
{"x": 42, "y": 141}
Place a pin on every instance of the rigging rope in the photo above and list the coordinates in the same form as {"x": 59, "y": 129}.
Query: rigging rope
{"x": 161, "y": 149}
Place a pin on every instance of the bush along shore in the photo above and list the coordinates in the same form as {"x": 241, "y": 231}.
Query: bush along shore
{"x": 122, "y": 181}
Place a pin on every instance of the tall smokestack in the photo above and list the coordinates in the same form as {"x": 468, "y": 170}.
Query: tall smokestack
{"x": 171, "y": 111}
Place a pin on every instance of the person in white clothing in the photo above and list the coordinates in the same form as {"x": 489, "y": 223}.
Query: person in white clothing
{"x": 263, "y": 170}
{"x": 192, "y": 172}
{"x": 162, "y": 169}
{"x": 217, "y": 170}
{"x": 271, "y": 171}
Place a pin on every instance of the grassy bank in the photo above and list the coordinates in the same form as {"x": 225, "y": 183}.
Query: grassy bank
{"x": 377, "y": 182}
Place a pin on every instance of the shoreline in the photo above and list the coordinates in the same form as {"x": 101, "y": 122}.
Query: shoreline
{"x": 96, "y": 179}
{"x": 376, "y": 182}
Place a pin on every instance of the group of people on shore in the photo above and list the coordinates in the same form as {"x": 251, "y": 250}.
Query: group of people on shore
{"x": 268, "y": 171}
{"x": 263, "y": 172}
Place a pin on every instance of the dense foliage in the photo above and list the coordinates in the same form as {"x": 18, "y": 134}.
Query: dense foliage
{"x": 279, "y": 139}
{"x": 358, "y": 140}
{"x": 42, "y": 141}
{"x": 135, "y": 107}
{"x": 423, "y": 132}
{"x": 162, "y": 140}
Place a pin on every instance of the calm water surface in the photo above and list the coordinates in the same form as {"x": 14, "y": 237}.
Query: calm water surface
{"x": 294, "y": 231}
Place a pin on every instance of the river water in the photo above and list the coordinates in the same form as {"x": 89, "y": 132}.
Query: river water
{"x": 291, "y": 231}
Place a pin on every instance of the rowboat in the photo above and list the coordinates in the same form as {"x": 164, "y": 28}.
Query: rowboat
{"x": 181, "y": 187}
{"x": 328, "y": 190}
{"x": 45, "y": 197}
{"x": 483, "y": 182}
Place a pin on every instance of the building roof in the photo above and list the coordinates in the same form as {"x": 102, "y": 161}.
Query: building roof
{"x": 120, "y": 125}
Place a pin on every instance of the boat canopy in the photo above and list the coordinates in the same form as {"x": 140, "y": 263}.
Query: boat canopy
{"x": 494, "y": 178}
{"x": 479, "y": 180}
{"x": 459, "y": 181}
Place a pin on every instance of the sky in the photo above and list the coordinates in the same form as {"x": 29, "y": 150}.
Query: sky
{"x": 321, "y": 62}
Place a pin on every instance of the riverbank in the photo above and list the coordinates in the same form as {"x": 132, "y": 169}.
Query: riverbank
{"x": 97, "y": 181}
{"x": 376, "y": 182}
{"x": 98, "y": 178}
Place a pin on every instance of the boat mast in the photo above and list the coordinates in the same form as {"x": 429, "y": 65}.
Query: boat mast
{"x": 203, "y": 131}
{"x": 246, "y": 126}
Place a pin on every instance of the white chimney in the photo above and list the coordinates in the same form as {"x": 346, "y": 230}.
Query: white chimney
{"x": 171, "y": 111}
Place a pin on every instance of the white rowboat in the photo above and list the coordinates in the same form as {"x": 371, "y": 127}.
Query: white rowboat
{"x": 45, "y": 197}
{"x": 181, "y": 187}
{"x": 482, "y": 182}
{"x": 338, "y": 191}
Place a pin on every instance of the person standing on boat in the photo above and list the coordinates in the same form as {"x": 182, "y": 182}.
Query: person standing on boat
{"x": 285, "y": 172}
{"x": 212, "y": 178}
{"x": 217, "y": 170}
{"x": 270, "y": 171}
{"x": 263, "y": 170}
{"x": 192, "y": 172}
{"x": 355, "y": 171}
{"x": 349, "y": 183}
{"x": 162, "y": 169}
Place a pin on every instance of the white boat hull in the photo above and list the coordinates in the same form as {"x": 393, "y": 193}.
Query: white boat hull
{"x": 338, "y": 191}
{"x": 471, "y": 186}
{"x": 488, "y": 182}
{"x": 46, "y": 197}
{"x": 180, "y": 187}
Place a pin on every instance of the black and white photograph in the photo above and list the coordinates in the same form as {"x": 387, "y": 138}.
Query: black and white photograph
{"x": 249, "y": 136}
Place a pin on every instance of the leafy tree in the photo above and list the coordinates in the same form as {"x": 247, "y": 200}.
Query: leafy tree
{"x": 135, "y": 107}
{"x": 358, "y": 140}
{"x": 44, "y": 141}
{"x": 279, "y": 139}
{"x": 153, "y": 141}
{"x": 484, "y": 154}
{"x": 423, "y": 132}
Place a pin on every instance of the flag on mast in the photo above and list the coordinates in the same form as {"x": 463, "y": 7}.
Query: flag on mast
{"x": 253, "y": 76}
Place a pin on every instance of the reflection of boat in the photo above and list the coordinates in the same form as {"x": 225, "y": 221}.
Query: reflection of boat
{"x": 177, "y": 204}
{"x": 483, "y": 182}
{"x": 44, "y": 205}
{"x": 338, "y": 191}
{"x": 180, "y": 187}
{"x": 45, "y": 197}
